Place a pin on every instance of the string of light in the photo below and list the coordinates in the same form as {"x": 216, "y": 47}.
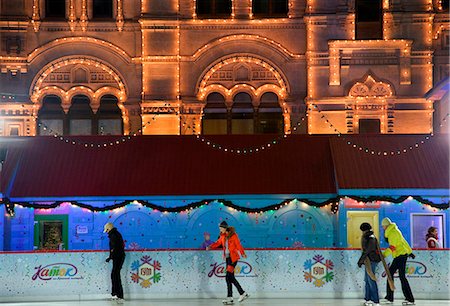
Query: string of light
{"x": 371, "y": 151}
{"x": 334, "y": 202}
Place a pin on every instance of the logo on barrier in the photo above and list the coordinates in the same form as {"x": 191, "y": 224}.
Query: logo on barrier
{"x": 318, "y": 270}
{"x": 242, "y": 269}
{"x": 56, "y": 271}
{"x": 145, "y": 271}
{"x": 414, "y": 269}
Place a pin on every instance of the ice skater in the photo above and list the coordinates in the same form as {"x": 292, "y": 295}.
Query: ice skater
{"x": 117, "y": 254}
{"x": 370, "y": 257}
{"x": 232, "y": 251}
{"x": 400, "y": 250}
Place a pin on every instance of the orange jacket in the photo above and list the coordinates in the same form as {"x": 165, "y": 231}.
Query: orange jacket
{"x": 234, "y": 246}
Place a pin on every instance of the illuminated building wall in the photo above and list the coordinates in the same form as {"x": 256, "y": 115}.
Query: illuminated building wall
{"x": 159, "y": 61}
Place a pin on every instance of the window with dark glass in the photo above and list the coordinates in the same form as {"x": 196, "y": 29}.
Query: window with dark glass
{"x": 215, "y": 115}
{"x": 51, "y": 116}
{"x": 242, "y": 114}
{"x": 55, "y": 9}
{"x": 270, "y": 8}
{"x": 369, "y": 126}
{"x": 369, "y": 19}
{"x": 109, "y": 116}
{"x": 213, "y": 8}
{"x": 270, "y": 115}
{"x": 80, "y": 116}
{"x": 445, "y": 4}
{"x": 102, "y": 9}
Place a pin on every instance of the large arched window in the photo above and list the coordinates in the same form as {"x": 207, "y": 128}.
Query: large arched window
{"x": 80, "y": 116}
{"x": 270, "y": 8}
{"x": 213, "y": 8}
{"x": 369, "y": 19}
{"x": 109, "y": 116}
{"x": 242, "y": 114}
{"x": 215, "y": 115}
{"x": 102, "y": 9}
{"x": 51, "y": 116}
{"x": 270, "y": 115}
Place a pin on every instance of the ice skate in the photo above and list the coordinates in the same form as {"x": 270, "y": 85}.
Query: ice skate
{"x": 408, "y": 303}
{"x": 243, "y": 296}
{"x": 120, "y": 301}
{"x": 114, "y": 298}
{"x": 386, "y": 302}
{"x": 228, "y": 301}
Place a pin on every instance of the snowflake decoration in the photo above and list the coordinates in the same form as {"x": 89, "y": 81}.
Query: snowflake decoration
{"x": 145, "y": 271}
{"x": 318, "y": 270}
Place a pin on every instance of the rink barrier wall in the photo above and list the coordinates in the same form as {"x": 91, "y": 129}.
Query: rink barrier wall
{"x": 265, "y": 273}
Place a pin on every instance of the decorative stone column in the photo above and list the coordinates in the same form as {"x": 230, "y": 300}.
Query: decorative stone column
{"x": 36, "y": 19}
{"x": 84, "y": 15}
{"x": 119, "y": 16}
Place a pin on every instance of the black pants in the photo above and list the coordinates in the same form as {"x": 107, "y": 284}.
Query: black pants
{"x": 231, "y": 280}
{"x": 117, "y": 289}
{"x": 399, "y": 263}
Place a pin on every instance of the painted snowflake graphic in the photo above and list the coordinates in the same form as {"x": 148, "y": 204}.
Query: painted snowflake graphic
{"x": 145, "y": 271}
{"x": 318, "y": 270}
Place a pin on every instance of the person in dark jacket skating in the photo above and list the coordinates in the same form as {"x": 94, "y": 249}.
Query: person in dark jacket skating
{"x": 370, "y": 257}
{"x": 117, "y": 254}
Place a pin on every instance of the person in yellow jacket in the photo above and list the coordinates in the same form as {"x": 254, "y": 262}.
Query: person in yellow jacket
{"x": 400, "y": 251}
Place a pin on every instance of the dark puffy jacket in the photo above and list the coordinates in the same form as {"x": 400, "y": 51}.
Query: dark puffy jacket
{"x": 116, "y": 244}
{"x": 369, "y": 248}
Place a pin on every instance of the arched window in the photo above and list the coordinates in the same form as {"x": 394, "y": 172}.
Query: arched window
{"x": 109, "y": 116}
{"x": 80, "y": 116}
{"x": 270, "y": 115}
{"x": 213, "y": 8}
{"x": 369, "y": 19}
{"x": 55, "y": 9}
{"x": 242, "y": 114}
{"x": 102, "y": 9}
{"x": 51, "y": 116}
{"x": 270, "y": 8}
{"x": 215, "y": 115}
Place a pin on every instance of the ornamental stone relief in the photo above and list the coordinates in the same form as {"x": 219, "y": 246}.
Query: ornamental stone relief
{"x": 370, "y": 88}
{"x": 247, "y": 73}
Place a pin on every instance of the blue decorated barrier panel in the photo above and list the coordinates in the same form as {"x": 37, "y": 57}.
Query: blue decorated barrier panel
{"x": 200, "y": 274}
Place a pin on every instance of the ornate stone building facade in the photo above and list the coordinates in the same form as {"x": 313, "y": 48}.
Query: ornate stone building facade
{"x": 77, "y": 67}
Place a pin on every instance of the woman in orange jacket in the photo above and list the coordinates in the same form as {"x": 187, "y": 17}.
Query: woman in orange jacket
{"x": 232, "y": 251}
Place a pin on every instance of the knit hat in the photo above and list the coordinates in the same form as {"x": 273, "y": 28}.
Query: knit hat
{"x": 108, "y": 227}
{"x": 365, "y": 226}
{"x": 386, "y": 222}
{"x": 223, "y": 224}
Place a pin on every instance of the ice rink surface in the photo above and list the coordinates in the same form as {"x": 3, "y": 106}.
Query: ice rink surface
{"x": 212, "y": 302}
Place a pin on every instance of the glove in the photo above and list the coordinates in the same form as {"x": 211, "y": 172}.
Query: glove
{"x": 412, "y": 256}
{"x": 359, "y": 265}
{"x": 108, "y": 259}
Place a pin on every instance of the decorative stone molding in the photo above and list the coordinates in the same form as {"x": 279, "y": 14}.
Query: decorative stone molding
{"x": 370, "y": 88}
{"x": 337, "y": 46}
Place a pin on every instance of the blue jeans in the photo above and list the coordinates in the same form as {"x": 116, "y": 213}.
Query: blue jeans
{"x": 371, "y": 289}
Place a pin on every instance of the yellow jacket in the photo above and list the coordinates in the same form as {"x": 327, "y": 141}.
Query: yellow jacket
{"x": 396, "y": 240}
